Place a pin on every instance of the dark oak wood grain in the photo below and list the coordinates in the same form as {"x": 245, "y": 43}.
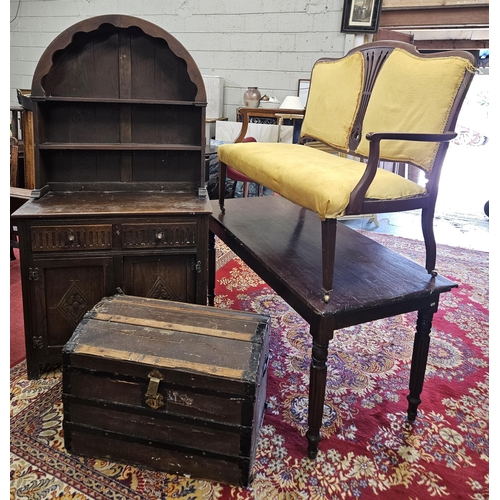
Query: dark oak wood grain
{"x": 79, "y": 247}
{"x": 280, "y": 242}
{"x": 119, "y": 199}
{"x": 211, "y": 368}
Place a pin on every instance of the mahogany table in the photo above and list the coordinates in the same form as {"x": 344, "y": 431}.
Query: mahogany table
{"x": 281, "y": 242}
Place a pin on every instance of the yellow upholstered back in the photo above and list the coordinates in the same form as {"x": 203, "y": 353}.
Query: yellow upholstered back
{"x": 333, "y": 100}
{"x": 412, "y": 94}
{"x": 404, "y": 93}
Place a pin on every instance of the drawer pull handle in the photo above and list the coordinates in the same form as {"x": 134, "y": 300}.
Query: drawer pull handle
{"x": 159, "y": 236}
{"x": 153, "y": 399}
{"x": 71, "y": 238}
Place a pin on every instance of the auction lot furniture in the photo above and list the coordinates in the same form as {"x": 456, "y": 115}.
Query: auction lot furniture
{"x": 167, "y": 385}
{"x": 371, "y": 282}
{"x": 120, "y": 198}
{"x": 383, "y": 101}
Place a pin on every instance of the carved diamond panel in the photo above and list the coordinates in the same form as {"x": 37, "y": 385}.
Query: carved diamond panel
{"x": 162, "y": 290}
{"x": 74, "y": 304}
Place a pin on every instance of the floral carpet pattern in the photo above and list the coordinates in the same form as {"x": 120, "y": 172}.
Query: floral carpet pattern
{"x": 368, "y": 451}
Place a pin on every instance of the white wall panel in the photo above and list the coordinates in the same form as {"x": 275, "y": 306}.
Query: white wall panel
{"x": 268, "y": 44}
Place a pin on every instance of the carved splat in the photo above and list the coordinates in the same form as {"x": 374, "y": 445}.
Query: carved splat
{"x": 374, "y": 60}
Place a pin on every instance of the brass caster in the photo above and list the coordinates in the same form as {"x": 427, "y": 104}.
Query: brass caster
{"x": 326, "y": 298}
{"x": 434, "y": 273}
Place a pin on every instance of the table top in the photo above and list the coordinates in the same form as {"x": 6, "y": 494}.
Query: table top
{"x": 108, "y": 203}
{"x": 281, "y": 242}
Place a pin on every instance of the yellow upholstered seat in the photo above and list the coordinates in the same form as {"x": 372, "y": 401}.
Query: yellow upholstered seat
{"x": 311, "y": 178}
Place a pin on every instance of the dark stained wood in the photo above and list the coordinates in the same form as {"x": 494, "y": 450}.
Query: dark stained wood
{"x": 453, "y": 44}
{"x": 113, "y": 26}
{"x": 446, "y": 16}
{"x": 14, "y": 162}
{"x": 287, "y": 249}
{"x": 148, "y": 96}
{"x": 79, "y": 247}
{"x": 212, "y": 369}
{"x": 119, "y": 198}
{"x": 90, "y": 203}
{"x": 22, "y": 130}
{"x": 388, "y": 34}
{"x": 370, "y": 282}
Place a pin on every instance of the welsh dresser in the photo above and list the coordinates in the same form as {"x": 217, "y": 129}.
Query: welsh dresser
{"x": 120, "y": 200}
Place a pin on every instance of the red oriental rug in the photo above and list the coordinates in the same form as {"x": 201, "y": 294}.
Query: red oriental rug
{"x": 368, "y": 451}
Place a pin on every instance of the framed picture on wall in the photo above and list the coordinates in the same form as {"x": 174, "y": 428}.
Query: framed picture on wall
{"x": 303, "y": 90}
{"x": 361, "y": 16}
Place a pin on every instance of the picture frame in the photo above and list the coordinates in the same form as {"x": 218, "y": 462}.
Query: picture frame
{"x": 303, "y": 90}
{"x": 361, "y": 16}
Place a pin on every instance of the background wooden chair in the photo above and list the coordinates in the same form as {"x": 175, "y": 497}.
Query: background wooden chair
{"x": 14, "y": 161}
{"x": 245, "y": 114}
{"x": 14, "y": 167}
{"x": 383, "y": 101}
{"x": 18, "y": 195}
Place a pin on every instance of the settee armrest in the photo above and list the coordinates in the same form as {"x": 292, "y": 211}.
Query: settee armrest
{"x": 406, "y": 136}
{"x": 358, "y": 194}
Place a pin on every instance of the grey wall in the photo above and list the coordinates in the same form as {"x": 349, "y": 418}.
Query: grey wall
{"x": 265, "y": 43}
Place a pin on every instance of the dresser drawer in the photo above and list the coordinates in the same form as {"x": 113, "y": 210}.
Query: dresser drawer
{"x": 74, "y": 237}
{"x": 174, "y": 234}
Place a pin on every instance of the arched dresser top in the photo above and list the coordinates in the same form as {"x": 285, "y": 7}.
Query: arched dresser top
{"x": 96, "y": 57}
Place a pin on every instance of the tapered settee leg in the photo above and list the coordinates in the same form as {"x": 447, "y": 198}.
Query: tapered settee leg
{"x": 429, "y": 239}
{"x": 328, "y": 239}
{"x": 222, "y": 184}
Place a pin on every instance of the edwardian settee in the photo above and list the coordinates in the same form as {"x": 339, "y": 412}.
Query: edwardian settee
{"x": 383, "y": 101}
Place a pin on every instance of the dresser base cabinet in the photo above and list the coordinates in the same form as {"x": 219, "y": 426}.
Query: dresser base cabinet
{"x": 75, "y": 251}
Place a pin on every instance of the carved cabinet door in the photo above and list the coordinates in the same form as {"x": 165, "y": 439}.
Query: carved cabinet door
{"x": 61, "y": 291}
{"x": 169, "y": 277}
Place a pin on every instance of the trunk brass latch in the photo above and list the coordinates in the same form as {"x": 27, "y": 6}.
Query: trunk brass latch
{"x": 153, "y": 399}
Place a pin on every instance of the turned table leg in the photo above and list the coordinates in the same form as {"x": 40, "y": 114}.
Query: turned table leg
{"x": 317, "y": 386}
{"x": 419, "y": 360}
{"x": 321, "y": 332}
